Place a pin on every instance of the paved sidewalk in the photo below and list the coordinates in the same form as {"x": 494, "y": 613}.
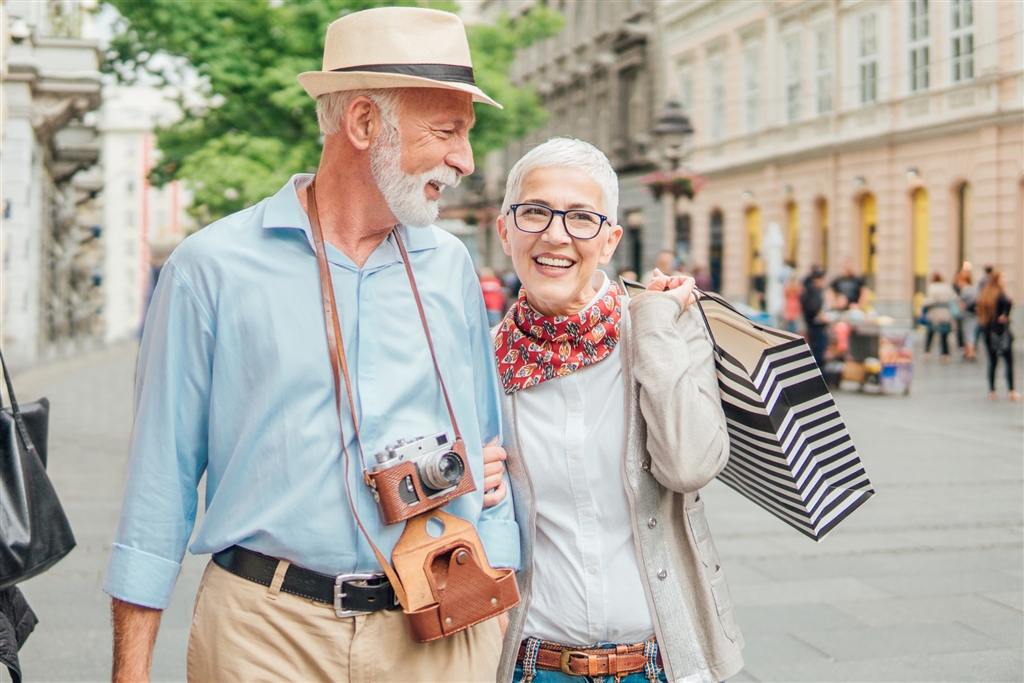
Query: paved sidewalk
{"x": 923, "y": 583}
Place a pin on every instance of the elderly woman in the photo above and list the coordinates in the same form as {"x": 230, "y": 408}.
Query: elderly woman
{"x": 612, "y": 424}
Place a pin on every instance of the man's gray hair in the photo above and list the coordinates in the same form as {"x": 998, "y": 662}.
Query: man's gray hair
{"x": 331, "y": 107}
{"x": 566, "y": 153}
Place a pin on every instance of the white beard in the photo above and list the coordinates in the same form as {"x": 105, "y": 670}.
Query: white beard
{"x": 404, "y": 193}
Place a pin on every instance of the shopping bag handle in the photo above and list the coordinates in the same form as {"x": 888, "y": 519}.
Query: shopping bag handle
{"x": 16, "y": 410}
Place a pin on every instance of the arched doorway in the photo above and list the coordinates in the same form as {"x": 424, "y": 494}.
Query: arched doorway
{"x": 965, "y": 223}
{"x": 755, "y": 258}
{"x": 716, "y": 250}
{"x": 919, "y": 212}
{"x": 792, "y": 232}
{"x": 821, "y": 221}
{"x": 869, "y": 238}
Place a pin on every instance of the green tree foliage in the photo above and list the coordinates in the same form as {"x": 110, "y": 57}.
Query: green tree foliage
{"x": 260, "y": 125}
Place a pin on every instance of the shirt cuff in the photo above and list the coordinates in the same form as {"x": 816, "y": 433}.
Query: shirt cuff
{"x": 139, "y": 577}
{"x": 501, "y": 542}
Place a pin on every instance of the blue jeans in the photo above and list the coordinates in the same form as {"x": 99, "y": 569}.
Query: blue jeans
{"x": 559, "y": 677}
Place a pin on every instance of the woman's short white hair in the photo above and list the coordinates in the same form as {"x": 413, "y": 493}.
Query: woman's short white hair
{"x": 330, "y": 107}
{"x": 566, "y": 153}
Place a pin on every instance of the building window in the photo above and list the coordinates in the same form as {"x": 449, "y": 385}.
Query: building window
{"x": 686, "y": 87}
{"x": 752, "y": 82}
{"x": 716, "y": 96}
{"x": 791, "y": 71}
{"x": 867, "y": 58}
{"x": 823, "y": 69}
{"x": 919, "y": 44}
{"x": 582, "y": 21}
{"x": 962, "y": 33}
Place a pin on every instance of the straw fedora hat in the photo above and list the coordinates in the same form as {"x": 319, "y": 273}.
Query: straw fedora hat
{"x": 395, "y": 47}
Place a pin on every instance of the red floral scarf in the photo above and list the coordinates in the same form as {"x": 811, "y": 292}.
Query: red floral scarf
{"x": 532, "y": 347}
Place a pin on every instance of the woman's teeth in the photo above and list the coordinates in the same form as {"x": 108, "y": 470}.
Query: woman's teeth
{"x": 549, "y": 262}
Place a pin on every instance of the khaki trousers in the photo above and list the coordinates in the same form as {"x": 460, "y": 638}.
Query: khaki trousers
{"x": 242, "y": 631}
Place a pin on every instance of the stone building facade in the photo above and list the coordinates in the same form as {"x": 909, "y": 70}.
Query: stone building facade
{"x": 886, "y": 133}
{"x": 50, "y": 266}
{"x": 598, "y": 79}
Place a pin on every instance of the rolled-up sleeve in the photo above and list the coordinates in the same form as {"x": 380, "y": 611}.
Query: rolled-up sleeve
{"x": 168, "y": 452}
{"x": 497, "y": 526}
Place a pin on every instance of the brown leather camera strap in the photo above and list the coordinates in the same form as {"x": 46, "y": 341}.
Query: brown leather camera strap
{"x": 339, "y": 367}
{"x": 426, "y": 331}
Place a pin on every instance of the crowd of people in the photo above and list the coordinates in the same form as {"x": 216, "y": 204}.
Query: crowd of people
{"x": 812, "y": 305}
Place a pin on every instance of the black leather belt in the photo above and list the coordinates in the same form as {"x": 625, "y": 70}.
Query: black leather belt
{"x": 349, "y": 594}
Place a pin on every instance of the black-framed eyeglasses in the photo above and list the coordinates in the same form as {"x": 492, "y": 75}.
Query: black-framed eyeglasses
{"x": 579, "y": 224}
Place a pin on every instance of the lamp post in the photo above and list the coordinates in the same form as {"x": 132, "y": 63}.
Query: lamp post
{"x": 673, "y": 131}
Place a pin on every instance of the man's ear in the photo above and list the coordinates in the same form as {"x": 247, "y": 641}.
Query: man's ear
{"x": 362, "y": 122}
{"x": 503, "y": 234}
{"x": 612, "y": 241}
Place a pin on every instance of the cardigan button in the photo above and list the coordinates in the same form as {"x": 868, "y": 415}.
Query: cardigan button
{"x": 645, "y": 466}
{"x": 652, "y": 522}
{"x": 662, "y": 574}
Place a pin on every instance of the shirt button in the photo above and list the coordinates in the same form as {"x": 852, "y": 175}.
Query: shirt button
{"x": 662, "y": 574}
{"x": 575, "y": 455}
{"x": 593, "y": 570}
{"x": 652, "y": 522}
{"x": 586, "y": 512}
{"x": 574, "y": 407}
{"x": 597, "y": 628}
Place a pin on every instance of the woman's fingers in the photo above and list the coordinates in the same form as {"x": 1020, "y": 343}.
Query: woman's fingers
{"x": 683, "y": 290}
{"x": 492, "y": 498}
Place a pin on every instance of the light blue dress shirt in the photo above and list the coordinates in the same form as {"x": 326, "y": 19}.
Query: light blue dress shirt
{"x": 234, "y": 380}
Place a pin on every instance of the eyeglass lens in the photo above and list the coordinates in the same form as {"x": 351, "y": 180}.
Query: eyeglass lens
{"x": 537, "y": 218}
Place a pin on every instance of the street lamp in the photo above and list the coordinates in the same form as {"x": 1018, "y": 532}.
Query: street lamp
{"x": 673, "y": 131}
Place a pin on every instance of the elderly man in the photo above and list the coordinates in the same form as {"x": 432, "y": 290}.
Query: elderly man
{"x": 235, "y": 381}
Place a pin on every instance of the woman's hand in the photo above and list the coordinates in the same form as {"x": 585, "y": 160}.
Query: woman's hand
{"x": 679, "y": 286}
{"x": 494, "y": 474}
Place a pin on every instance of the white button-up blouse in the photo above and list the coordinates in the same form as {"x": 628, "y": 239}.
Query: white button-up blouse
{"x": 586, "y": 582}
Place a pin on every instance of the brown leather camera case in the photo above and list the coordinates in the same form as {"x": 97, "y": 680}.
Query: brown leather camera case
{"x": 448, "y": 582}
{"x": 393, "y": 509}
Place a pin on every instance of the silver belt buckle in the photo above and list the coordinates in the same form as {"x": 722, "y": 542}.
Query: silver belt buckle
{"x": 339, "y": 582}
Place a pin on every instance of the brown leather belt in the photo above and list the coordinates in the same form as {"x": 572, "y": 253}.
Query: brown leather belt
{"x": 575, "y": 661}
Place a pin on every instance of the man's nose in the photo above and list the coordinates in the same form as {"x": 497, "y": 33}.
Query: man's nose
{"x": 461, "y": 157}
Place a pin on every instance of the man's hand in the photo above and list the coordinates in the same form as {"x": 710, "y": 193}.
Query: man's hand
{"x": 494, "y": 474}
{"x": 135, "y": 630}
{"x": 679, "y": 286}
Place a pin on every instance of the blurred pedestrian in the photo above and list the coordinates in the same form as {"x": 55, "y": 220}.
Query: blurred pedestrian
{"x": 665, "y": 262}
{"x": 968, "y": 318}
{"x": 961, "y": 280}
{"x": 494, "y": 295}
{"x": 849, "y": 291}
{"x": 791, "y": 308}
{"x": 941, "y": 306}
{"x": 235, "y": 382}
{"x": 812, "y": 304}
{"x": 993, "y": 310}
{"x": 702, "y": 278}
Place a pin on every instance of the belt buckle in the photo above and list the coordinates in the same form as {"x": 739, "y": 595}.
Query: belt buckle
{"x": 563, "y": 660}
{"x": 339, "y": 582}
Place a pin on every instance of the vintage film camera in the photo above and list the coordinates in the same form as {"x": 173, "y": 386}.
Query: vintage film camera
{"x": 420, "y": 475}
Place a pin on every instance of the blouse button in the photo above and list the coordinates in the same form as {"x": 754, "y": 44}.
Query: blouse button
{"x": 645, "y": 466}
{"x": 662, "y": 574}
{"x": 574, "y": 407}
{"x": 652, "y": 522}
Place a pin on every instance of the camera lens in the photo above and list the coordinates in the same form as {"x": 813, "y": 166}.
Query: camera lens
{"x": 442, "y": 470}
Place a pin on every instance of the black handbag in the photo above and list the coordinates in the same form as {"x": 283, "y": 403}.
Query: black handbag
{"x": 34, "y": 531}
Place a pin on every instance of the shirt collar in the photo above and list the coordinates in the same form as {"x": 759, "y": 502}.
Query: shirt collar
{"x": 285, "y": 211}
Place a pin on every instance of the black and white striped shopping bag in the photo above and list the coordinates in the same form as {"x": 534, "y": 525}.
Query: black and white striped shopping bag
{"x": 789, "y": 450}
